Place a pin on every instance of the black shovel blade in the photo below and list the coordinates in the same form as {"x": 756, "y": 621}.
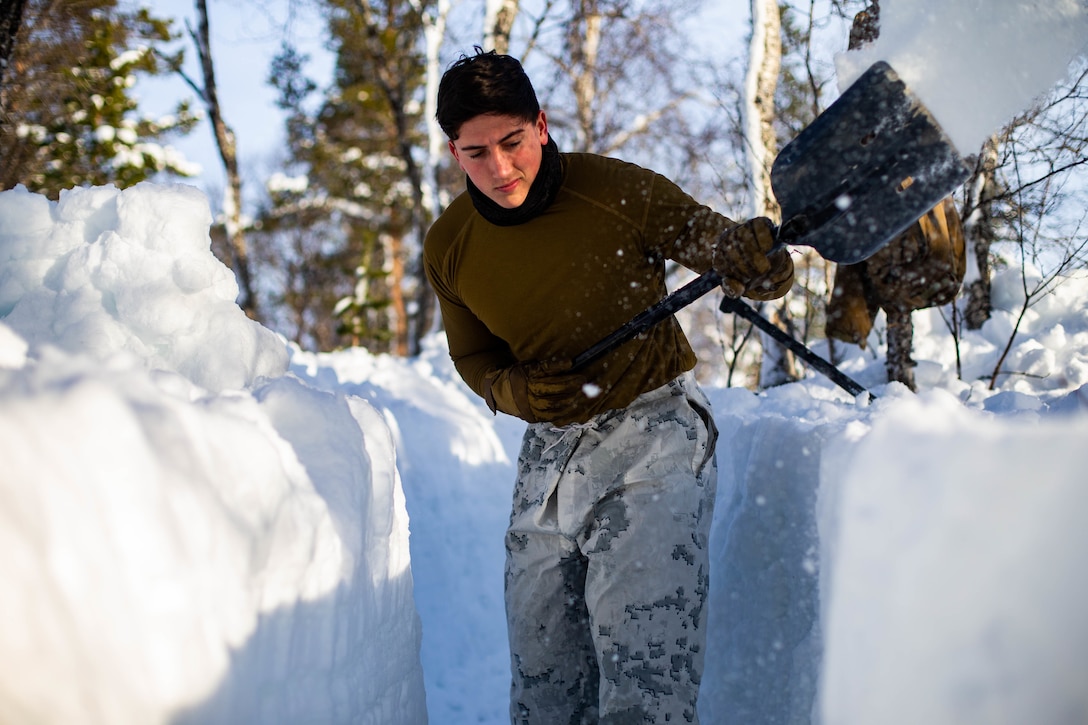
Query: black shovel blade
{"x": 866, "y": 169}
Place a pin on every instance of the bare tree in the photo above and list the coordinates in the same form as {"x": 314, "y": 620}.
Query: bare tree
{"x": 761, "y": 145}
{"x": 764, "y": 66}
{"x": 598, "y": 57}
{"x": 1031, "y": 196}
{"x": 225, "y": 142}
{"x": 585, "y": 47}
{"x": 1072, "y": 256}
{"x": 979, "y": 232}
{"x": 434, "y": 31}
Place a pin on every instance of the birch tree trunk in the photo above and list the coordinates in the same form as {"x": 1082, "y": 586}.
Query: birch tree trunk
{"x": 764, "y": 64}
{"x": 585, "y": 44}
{"x": 898, "y": 364}
{"x": 498, "y": 22}
{"x": 228, "y": 153}
{"x": 979, "y": 233}
{"x": 434, "y": 33}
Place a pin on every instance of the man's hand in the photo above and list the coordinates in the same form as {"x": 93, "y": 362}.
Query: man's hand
{"x": 775, "y": 283}
{"x": 535, "y": 392}
{"x": 746, "y": 264}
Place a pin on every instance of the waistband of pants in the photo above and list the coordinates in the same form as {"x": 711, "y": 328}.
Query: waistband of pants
{"x": 680, "y": 386}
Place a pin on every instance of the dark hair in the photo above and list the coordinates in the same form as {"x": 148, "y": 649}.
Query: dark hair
{"x": 485, "y": 82}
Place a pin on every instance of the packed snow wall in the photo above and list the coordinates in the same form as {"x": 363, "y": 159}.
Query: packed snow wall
{"x": 902, "y": 561}
{"x": 954, "y": 590}
{"x": 190, "y": 535}
{"x": 764, "y": 648}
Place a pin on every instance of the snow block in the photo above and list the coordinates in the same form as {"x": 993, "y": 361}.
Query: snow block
{"x": 239, "y": 559}
{"x": 956, "y": 593}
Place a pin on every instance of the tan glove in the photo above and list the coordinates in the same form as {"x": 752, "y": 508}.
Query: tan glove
{"x": 775, "y": 283}
{"x": 746, "y": 264}
{"x": 535, "y": 392}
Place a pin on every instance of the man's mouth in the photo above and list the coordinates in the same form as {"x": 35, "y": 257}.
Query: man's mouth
{"x": 508, "y": 187}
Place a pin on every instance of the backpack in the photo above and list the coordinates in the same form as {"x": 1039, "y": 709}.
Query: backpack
{"x": 922, "y": 267}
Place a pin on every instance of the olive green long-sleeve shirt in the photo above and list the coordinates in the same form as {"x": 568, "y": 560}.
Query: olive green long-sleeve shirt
{"x": 549, "y": 288}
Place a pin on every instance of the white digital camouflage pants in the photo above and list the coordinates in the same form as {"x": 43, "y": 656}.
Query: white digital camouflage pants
{"x": 607, "y": 566}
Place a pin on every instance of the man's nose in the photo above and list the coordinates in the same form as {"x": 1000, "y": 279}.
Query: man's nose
{"x": 500, "y": 163}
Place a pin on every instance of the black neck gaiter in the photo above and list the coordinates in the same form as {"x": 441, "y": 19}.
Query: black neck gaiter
{"x": 541, "y": 193}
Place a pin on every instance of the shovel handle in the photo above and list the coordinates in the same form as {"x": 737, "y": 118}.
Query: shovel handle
{"x": 679, "y": 299}
{"x": 649, "y": 317}
{"x": 695, "y": 289}
{"x": 844, "y": 381}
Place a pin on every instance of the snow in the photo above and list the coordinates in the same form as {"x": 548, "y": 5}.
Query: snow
{"x": 280, "y": 182}
{"x": 129, "y": 57}
{"x": 109, "y": 280}
{"x": 190, "y": 533}
{"x": 974, "y": 64}
{"x": 1007, "y": 642}
{"x": 202, "y": 523}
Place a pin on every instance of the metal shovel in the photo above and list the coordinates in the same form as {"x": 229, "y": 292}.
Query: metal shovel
{"x": 866, "y": 169}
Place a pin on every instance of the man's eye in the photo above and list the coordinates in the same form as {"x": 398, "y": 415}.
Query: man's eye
{"x": 476, "y": 154}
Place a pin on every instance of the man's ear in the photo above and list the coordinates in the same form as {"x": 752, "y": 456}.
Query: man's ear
{"x": 542, "y": 128}
{"x": 453, "y": 150}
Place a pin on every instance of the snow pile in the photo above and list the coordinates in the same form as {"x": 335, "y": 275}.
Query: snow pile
{"x": 956, "y": 592}
{"x": 108, "y": 276}
{"x": 974, "y": 64}
{"x": 184, "y": 539}
{"x": 914, "y": 560}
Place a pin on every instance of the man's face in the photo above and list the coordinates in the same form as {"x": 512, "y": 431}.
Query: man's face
{"x": 501, "y": 155}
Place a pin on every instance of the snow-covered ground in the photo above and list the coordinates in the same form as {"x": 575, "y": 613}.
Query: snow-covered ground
{"x": 201, "y": 524}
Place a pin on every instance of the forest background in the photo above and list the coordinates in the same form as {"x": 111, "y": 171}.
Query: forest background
{"x": 323, "y": 199}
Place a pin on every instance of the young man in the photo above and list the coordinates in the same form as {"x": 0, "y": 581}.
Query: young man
{"x": 546, "y": 253}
